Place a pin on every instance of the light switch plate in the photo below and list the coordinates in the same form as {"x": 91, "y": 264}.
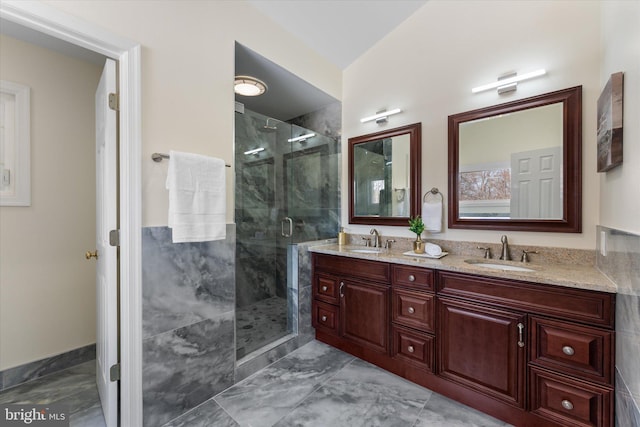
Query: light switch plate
{"x": 603, "y": 243}
{"x": 6, "y": 177}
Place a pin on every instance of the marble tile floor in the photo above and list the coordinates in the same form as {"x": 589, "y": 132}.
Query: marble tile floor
{"x": 259, "y": 324}
{"x": 318, "y": 385}
{"x": 74, "y": 387}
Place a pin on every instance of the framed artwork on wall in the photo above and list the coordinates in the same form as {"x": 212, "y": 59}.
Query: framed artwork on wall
{"x": 610, "y": 124}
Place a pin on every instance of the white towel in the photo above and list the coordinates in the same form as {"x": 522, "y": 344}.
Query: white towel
{"x": 432, "y": 249}
{"x": 197, "y": 197}
{"x": 432, "y": 216}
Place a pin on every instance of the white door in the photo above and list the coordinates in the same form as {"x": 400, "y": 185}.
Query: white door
{"x": 536, "y": 184}
{"x": 107, "y": 265}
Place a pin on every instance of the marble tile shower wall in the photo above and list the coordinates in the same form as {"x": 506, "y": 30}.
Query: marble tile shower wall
{"x": 188, "y": 312}
{"x": 622, "y": 265}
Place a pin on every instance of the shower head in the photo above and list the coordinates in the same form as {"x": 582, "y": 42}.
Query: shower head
{"x": 267, "y": 128}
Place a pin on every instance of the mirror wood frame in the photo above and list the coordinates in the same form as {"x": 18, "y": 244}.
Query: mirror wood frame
{"x": 415, "y": 168}
{"x": 571, "y": 221}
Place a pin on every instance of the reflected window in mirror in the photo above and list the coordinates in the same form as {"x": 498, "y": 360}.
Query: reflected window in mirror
{"x": 516, "y": 166}
{"x": 384, "y": 172}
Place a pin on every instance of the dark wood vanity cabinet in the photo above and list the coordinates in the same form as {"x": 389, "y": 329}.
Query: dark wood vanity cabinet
{"x": 527, "y": 353}
{"x": 351, "y": 300}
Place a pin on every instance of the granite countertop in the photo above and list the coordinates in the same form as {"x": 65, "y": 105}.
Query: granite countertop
{"x": 568, "y": 275}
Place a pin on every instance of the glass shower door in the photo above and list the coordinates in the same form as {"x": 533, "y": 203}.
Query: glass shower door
{"x": 286, "y": 192}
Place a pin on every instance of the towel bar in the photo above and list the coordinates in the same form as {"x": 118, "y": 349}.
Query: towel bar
{"x": 157, "y": 157}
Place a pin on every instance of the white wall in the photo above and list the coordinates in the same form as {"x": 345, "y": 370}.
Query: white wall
{"x": 429, "y": 64}
{"x": 619, "y": 193}
{"x": 187, "y": 75}
{"x": 47, "y": 288}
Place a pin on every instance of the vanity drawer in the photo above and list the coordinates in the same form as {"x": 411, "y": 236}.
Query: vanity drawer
{"x": 570, "y": 402}
{"x": 325, "y": 288}
{"x": 411, "y": 276}
{"x": 580, "y": 305}
{"x": 325, "y": 317}
{"x": 353, "y": 267}
{"x": 413, "y": 309}
{"x": 413, "y": 347}
{"x": 572, "y": 349}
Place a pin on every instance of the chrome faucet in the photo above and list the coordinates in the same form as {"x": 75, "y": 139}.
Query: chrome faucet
{"x": 505, "y": 248}
{"x": 377, "y": 241}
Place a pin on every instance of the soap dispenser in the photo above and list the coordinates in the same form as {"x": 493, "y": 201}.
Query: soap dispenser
{"x": 342, "y": 237}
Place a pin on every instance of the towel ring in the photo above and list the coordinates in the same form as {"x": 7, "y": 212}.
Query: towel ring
{"x": 433, "y": 192}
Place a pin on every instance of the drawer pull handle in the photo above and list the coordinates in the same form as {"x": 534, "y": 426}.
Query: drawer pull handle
{"x": 411, "y": 310}
{"x": 341, "y": 289}
{"x": 410, "y": 349}
{"x": 323, "y": 318}
{"x": 324, "y": 289}
{"x": 567, "y": 405}
{"x": 520, "y": 333}
{"x": 568, "y": 350}
{"x": 412, "y": 278}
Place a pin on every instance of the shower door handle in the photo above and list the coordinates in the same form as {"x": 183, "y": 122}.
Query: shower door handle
{"x": 282, "y": 226}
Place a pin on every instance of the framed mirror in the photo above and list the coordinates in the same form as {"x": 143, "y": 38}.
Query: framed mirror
{"x": 384, "y": 176}
{"x": 518, "y": 165}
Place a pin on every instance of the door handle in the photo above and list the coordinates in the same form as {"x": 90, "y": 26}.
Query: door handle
{"x": 90, "y": 254}
{"x": 341, "y": 290}
{"x": 520, "y": 333}
{"x": 290, "y": 221}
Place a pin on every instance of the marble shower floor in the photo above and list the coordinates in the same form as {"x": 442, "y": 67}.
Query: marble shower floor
{"x": 75, "y": 387}
{"x": 318, "y": 385}
{"x": 259, "y": 324}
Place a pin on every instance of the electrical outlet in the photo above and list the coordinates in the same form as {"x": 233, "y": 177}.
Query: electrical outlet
{"x": 603, "y": 243}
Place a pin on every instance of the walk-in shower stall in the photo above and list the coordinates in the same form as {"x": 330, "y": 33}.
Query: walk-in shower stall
{"x": 286, "y": 191}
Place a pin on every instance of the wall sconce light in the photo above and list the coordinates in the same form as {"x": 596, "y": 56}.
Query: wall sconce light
{"x": 509, "y": 82}
{"x": 302, "y": 138}
{"x": 381, "y": 116}
{"x": 254, "y": 151}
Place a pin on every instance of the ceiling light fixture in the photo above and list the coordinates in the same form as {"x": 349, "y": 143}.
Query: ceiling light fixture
{"x": 254, "y": 151}
{"x": 509, "y": 82}
{"x": 249, "y": 86}
{"x": 381, "y": 116}
{"x": 302, "y": 138}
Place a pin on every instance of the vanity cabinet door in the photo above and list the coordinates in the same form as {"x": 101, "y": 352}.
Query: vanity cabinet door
{"x": 364, "y": 314}
{"x": 483, "y": 348}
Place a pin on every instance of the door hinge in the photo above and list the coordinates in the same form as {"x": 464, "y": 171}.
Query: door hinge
{"x": 113, "y": 101}
{"x": 114, "y": 372}
{"x": 114, "y": 237}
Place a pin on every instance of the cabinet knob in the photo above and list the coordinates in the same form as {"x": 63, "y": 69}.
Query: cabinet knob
{"x": 324, "y": 289}
{"x": 568, "y": 350}
{"x": 410, "y": 349}
{"x": 412, "y": 278}
{"x": 566, "y": 404}
{"x": 323, "y": 318}
{"x": 411, "y": 310}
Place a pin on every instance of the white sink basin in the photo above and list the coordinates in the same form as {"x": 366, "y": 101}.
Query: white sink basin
{"x": 496, "y": 266}
{"x": 365, "y": 251}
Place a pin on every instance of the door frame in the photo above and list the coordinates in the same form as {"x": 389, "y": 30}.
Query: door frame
{"x": 55, "y": 23}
